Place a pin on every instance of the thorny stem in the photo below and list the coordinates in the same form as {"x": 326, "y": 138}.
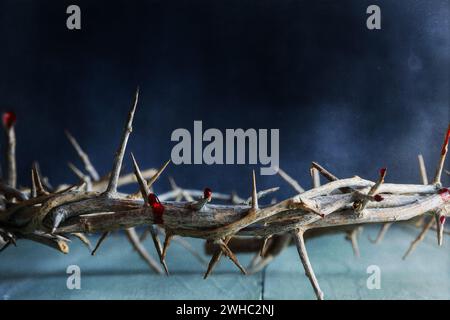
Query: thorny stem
{"x": 323, "y": 207}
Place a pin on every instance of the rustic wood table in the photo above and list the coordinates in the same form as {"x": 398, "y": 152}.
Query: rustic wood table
{"x": 31, "y": 271}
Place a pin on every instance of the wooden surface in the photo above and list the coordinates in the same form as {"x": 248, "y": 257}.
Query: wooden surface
{"x": 31, "y": 271}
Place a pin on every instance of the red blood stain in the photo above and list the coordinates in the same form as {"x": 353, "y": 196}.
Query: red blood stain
{"x": 207, "y": 193}
{"x": 445, "y": 146}
{"x": 378, "y": 198}
{"x": 9, "y": 119}
{"x": 445, "y": 194}
{"x": 442, "y": 219}
{"x": 157, "y": 208}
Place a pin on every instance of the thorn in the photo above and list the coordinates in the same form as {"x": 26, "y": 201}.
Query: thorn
{"x": 83, "y": 239}
{"x": 294, "y": 184}
{"x": 360, "y": 205}
{"x": 440, "y": 167}
{"x": 230, "y": 254}
{"x": 99, "y": 242}
{"x": 328, "y": 175}
{"x": 33, "y": 192}
{"x": 143, "y": 253}
{"x": 144, "y": 234}
{"x": 254, "y": 194}
{"x": 201, "y": 203}
{"x": 58, "y": 217}
{"x": 423, "y": 169}
{"x": 84, "y": 178}
{"x": 167, "y": 241}
{"x": 117, "y": 165}
{"x": 38, "y": 180}
{"x": 263, "y": 250}
{"x": 440, "y": 222}
{"x": 181, "y": 192}
{"x": 215, "y": 258}
{"x": 83, "y": 156}
{"x": 173, "y": 184}
{"x": 158, "y": 247}
{"x": 315, "y": 177}
{"x": 261, "y": 194}
{"x": 382, "y": 232}
{"x": 9, "y": 120}
{"x": 191, "y": 249}
{"x": 158, "y": 173}
{"x": 213, "y": 262}
{"x": 311, "y": 206}
{"x": 419, "y": 238}
{"x": 303, "y": 253}
{"x": 145, "y": 190}
{"x": 352, "y": 236}
{"x": 6, "y": 245}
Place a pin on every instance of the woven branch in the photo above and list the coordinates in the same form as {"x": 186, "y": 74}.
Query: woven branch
{"x": 95, "y": 205}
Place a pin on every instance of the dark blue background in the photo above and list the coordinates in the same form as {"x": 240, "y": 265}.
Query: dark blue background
{"x": 353, "y": 99}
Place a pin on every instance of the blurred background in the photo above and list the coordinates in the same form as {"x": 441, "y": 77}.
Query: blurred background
{"x": 350, "y": 98}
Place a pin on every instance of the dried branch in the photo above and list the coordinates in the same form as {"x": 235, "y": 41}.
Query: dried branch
{"x": 346, "y": 203}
